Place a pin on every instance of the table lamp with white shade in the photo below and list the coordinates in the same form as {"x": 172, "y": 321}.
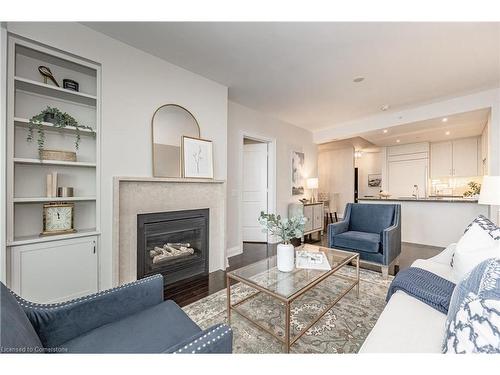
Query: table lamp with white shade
{"x": 312, "y": 183}
{"x": 490, "y": 192}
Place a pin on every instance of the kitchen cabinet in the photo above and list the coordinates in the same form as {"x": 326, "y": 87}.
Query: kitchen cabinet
{"x": 458, "y": 158}
{"x": 55, "y": 271}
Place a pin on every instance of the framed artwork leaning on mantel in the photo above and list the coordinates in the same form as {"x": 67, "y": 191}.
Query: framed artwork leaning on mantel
{"x": 197, "y": 158}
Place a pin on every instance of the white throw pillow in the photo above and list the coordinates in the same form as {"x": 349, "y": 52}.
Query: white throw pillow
{"x": 475, "y": 246}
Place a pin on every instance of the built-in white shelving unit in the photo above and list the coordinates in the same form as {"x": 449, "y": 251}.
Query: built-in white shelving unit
{"x": 27, "y": 95}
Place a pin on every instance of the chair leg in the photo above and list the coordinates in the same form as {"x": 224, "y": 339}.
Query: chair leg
{"x": 385, "y": 272}
{"x": 336, "y": 218}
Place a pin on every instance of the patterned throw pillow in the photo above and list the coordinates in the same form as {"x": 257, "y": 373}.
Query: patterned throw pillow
{"x": 487, "y": 225}
{"x": 473, "y": 321}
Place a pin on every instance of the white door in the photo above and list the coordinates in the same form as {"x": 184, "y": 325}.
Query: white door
{"x": 254, "y": 190}
{"x": 441, "y": 159}
{"x": 465, "y": 157}
{"x": 404, "y": 174}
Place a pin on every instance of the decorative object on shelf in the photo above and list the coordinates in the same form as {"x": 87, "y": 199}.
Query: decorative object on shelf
{"x": 285, "y": 229}
{"x": 51, "y": 185}
{"x": 197, "y": 158}
{"x": 297, "y": 173}
{"x": 474, "y": 189}
{"x": 60, "y": 120}
{"x": 58, "y": 218}
{"x": 374, "y": 180}
{"x": 313, "y": 184}
{"x": 384, "y": 194}
{"x": 169, "y": 123}
{"x": 69, "y": 84}
{"x": 58, "y": 155}
{"x": 65, "y": 192}
{"x": 304, "y": 200}
{"x": 47, "y": 74}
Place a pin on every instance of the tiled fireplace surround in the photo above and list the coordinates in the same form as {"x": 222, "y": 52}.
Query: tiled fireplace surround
{"x": 137, "y": 195}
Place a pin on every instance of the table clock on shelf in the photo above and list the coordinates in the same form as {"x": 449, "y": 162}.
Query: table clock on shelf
{"x": 58, "y": 218}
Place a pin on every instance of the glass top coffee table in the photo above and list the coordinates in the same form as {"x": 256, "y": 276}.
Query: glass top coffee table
{"x": 287, "y": 287}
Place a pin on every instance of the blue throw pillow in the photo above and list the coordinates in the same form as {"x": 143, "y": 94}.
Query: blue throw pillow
{"x": 487, "y": 225}
{"x": 473, "y": 321}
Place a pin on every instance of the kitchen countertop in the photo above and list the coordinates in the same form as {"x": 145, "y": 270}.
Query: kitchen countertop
{"x": 430, "y": 199}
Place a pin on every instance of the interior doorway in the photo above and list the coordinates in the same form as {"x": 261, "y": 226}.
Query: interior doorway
{"x": 258, "y": 182}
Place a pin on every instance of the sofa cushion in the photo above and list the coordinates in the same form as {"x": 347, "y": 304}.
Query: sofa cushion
{"x": 406, "y": 325}
{"x": 475, "y": 246}
{"x": 153, "y": 330}
{"x": 17, "y": 333}
{"x": 473, "y": 322}
{"x": 362, "y": 241}
{"x": 371, "y": 218}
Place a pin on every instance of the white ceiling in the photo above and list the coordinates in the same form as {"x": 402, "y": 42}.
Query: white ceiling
{"x": 460, "y": 125}
{"x": 302, "y": 72}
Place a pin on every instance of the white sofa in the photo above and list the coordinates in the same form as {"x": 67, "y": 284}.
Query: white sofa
{"x": 408, "y": 325}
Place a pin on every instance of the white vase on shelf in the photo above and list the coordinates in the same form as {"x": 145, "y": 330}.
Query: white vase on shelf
{"x": 286, "y": 257}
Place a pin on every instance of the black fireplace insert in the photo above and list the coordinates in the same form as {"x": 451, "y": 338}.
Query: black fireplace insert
{"x": 175, "y": 244}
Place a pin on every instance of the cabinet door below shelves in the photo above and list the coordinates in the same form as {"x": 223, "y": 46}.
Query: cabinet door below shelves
{"x": 441, "y": 159}
{"x": 56, "y": 271}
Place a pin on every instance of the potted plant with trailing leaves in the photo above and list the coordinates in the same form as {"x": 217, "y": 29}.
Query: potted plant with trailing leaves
{"x": 59, "y": 119}
{"x": 285, "y": 229}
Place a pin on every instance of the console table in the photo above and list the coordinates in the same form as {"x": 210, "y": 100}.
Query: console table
{"x": 313, "y": 212}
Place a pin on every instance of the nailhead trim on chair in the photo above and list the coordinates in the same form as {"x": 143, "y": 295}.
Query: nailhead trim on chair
{"x": 53, "y": 306}
{"x": 188, "y": 346}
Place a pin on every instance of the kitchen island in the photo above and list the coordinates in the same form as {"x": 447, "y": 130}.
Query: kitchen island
{"x": 433, "y": 221}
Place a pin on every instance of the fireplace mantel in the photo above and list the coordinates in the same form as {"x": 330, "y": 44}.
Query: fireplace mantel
{"x": 138, "y": 195}
{"x": 168, "y": 179}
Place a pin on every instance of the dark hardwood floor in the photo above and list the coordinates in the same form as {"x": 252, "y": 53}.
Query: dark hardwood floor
{"x": 194, "y": 290}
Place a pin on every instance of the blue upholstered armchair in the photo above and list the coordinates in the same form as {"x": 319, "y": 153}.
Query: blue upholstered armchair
{"x": 132, "y": 318}
{"x": 372, "y": 230}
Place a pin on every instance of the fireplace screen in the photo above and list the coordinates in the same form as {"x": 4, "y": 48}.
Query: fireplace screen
{"x": 174, "y": 244}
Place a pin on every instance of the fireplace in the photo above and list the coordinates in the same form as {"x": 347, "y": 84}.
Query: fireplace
{"x": 174, "y": 243}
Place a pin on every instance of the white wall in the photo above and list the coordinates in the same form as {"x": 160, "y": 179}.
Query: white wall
{"x": 336, "y": 176}
{"x": 134, "y": 85}
{"x": 369, "y": 163}
{"x": 243, "y": 120}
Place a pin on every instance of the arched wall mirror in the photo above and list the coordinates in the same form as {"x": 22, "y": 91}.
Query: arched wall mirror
{"x": 170, "y": 122}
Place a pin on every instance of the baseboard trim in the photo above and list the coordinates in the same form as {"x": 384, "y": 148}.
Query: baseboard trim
{"x": 233, "y": 251}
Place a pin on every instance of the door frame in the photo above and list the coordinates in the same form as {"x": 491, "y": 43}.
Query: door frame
{"x": 271, "y": 182}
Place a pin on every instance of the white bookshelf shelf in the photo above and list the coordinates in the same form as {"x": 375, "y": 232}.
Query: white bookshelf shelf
{"x": 54, "y": 162}
{"x": 24, "y": 122}
{"x": 52, "y": 199}
{"x": 27, "y": 240}
{"x": 40, "y": 88}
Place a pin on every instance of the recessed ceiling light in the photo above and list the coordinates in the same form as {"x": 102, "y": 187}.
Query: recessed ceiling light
{"x": 445, "y": 119}
{"x": 398, "y": 140}
{"x": 385, "y": 107}
{"x": 447, "y": 133}
{"x": 358, "y": 79}
{"x": 385, "y": 131}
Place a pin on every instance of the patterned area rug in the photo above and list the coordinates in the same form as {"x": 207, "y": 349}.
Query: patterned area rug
{"x": 342, "y": 330}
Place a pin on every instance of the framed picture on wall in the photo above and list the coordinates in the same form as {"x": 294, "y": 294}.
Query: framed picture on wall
{"x": 197, "y": 158}
{"x": 297, "y": 173}
{"x": 374, "y": 180}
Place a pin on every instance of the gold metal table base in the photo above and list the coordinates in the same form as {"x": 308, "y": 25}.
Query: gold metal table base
{"x": 288, "y": 341}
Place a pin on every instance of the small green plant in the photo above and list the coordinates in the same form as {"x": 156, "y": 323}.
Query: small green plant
{"x": 60, "y": 121}
{"x": 284, "y": 228}
{"x": 474, "y": 189}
